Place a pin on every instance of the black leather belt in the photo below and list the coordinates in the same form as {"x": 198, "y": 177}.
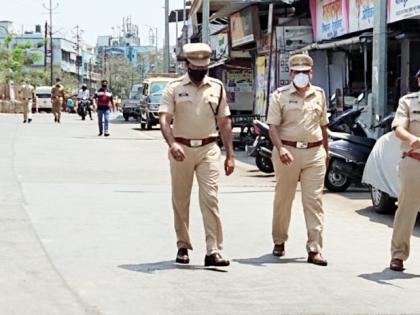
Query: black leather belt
{"x": 302, "y": 144}
{"x": 194, "y": 143}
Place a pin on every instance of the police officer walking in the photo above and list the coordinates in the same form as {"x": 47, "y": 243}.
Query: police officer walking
{"x": 197, "y": 105}
{"x": 298, "y": 128}
{"x": 406, "y": 125}
{"x": 57, "y": 98}
{"x": 28, "y": 96}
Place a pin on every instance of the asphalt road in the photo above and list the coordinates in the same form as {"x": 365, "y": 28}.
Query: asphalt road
{"x": 86, "y": 228}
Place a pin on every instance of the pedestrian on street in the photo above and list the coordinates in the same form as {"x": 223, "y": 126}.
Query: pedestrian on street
{"x": 57, "y": 99}
{"x": 197, "y": 105}
{"x": 298, "y": 128}
{"x": 28, "y": 96}
{"x": 104, "y": 102}
{"x": 406, "y": 126}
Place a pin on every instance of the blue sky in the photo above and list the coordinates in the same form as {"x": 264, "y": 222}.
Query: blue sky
{"x": 95, "y": 17}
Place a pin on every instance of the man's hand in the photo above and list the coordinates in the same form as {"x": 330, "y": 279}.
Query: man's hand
{"x": 415, "y": 144}
{"x": 229, "y": 165}
{"x": 285, "y": 156}
{"x": 177, "y": 152}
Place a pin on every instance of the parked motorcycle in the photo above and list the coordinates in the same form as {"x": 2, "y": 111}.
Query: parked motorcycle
{"x": 348, "y": 155}
{"x": 262, "y": 147}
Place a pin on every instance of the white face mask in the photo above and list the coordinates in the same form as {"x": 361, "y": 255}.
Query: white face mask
{"x": 301, "y": 80}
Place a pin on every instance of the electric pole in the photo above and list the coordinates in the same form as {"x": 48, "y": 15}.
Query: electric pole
{"x": 166, "y": 46}
{"x": 205, "y": 32}
{"x": 379, "y": 60}
{"x": 78, "y": 57}
{"x": 50, "y": 9}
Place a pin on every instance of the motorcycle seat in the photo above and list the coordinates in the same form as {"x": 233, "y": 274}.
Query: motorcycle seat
{"x": 368, "y": 142}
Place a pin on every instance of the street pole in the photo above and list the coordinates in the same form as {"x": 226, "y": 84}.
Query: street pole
{"x": 379, "y": 61}
{"x": 166, "y": 46}
{"x": 205, "y": 32}
{"x": 166, "y": 54}
{"x": 50, "y": 9}
{"x": 78, "y": 53}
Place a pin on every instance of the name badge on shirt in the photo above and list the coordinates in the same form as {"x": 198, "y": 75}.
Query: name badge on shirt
{"x": 416, "y": 111}
{"x": 183, "y": 94}
{"x": 293, "y": 102}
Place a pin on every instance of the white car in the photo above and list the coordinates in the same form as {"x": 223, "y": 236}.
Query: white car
{"x": 381, "y": 173}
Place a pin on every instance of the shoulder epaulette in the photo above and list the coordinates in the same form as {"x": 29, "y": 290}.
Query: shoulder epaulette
{"x": 283, "y": 88}
{"x": 412, "y": 95}
{"x": 214, "y": 80}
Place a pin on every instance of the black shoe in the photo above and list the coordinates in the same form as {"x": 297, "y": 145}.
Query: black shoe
{"x": 55, "y": 120}
{"x": 182, "y": 256}
{"x": 215, "y": 260}
{"x": 317, "y": 259}
{"x": 29, "y": 120}
{"x": 278, "y": 250}
{"x": 100, "y": 134}
{"x": 24, "y": 121}
{"x": 106, "y": 134}
{"x": 58, "y": 120}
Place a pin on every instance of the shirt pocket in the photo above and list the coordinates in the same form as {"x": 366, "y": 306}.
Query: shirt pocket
{"x": 212, "y": 100}
{"x": 183, "y": 103}
{"x": 315, "y": 110}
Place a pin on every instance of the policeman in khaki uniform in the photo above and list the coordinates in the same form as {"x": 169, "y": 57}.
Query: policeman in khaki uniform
{"x": 196, "y": 103}
{"x": 28, "y": 95}
{"x": 298, "y": 128}
{"x": 407, "y": 128}
{"x": 57, "y": 98}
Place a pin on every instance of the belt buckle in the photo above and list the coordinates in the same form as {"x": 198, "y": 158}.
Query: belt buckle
{"x": 196, "y": 143}
{"x": 302, "y": 145}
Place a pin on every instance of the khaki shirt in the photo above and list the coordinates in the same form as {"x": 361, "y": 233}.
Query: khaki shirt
{"x": 191, "y": 106}
{"x": 27, "y": 91}
{"x": 300, "y": 118}
{"x": 57, "y": 91}
{"x": 408, "y": 116}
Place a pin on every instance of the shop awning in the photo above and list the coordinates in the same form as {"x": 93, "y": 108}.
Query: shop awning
{"x": 334, "y": 44}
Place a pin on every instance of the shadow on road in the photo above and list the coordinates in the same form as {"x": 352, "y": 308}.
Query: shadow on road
{"x": 386, "y": 219}
{"x": 269, "y": 259}
{"x": 151, "y": 268}
{"x": 388, "y": 275}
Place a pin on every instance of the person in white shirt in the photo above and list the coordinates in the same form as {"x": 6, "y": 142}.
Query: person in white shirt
{"x": 85, "y": 94}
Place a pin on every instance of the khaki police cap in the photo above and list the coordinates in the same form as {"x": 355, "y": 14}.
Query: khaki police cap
{"x": 198, "y": 54}
{"x": 300, "y": 62}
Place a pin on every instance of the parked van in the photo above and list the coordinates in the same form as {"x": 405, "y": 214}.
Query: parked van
{"x": 43, "y": 98}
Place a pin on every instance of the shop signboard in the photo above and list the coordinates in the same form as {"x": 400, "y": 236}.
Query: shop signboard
{"x": 244, "y": 27}
{"x": 293, "y": 37}
{"x": 261, "y": 87}
{"x": 361, "y": 14}
{"x": 402, "y": 9}
{"x": 330, "y": 18}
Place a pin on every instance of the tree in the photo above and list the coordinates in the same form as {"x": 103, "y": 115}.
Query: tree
{"x": 121, "y": 75}
{"x": 15, "y": 62}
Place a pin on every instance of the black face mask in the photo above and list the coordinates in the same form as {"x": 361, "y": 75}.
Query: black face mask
{"x": 84, "y": 89}
{"x": 104, "y": 86}
{"x": 197, "y": 75}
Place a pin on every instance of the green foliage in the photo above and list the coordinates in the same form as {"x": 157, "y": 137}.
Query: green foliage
{"x": 15, "y": 62}
{"x": 121, "y": 75}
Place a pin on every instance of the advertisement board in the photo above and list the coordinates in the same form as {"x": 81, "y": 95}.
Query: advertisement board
{"x": 330, "y": 18}
{"x": 244, "y": 26}
{"x": 402, "y": 9}
{"x": 361, "y": 14}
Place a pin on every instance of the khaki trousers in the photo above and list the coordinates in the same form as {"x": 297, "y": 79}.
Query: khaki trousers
{"x": 56, "y": 107}
{"x": 27, "y": 109}
{"x": 308, "y": 167}
{"x": 408, "y": 206}
{"x": 204, "y": 162}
